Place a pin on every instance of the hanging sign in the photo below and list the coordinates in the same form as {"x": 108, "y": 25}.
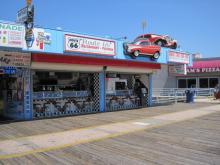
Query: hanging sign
{"x": 11, "y": 35}
{"x": 178, "y": 57}
{"x": 175, "y": 70}
{"x": 88, "y": 45}
{"x": 9, "y": 70}
{"x": 15, "y": 59}
{"x": 22, "y": 15}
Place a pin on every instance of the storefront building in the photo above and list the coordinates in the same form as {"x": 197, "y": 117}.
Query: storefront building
{"x": 71, "y": 74}
{"x": 15, "y": 96}
{"x": 204, "y": 73}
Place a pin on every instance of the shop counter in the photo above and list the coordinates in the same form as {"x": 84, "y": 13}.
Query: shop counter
{"x": 61, "y": 103}
{"x": 59, "y": 94}
{"x": 122, "y": 100}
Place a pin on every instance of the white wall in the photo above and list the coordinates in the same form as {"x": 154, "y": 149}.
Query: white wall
{"x": 161, "y": 78}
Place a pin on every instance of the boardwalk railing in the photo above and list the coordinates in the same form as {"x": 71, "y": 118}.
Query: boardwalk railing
{"x": 172, "y": 95}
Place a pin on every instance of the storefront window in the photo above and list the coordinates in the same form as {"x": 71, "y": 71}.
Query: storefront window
{"x": 182, "y": 83}
{"x": 64, "y": 93}
{"x": 203, "y": 82}
{"x": 213, "y": 82}
{"x": 191, "y": 83}
{"x": 64, "y": 76}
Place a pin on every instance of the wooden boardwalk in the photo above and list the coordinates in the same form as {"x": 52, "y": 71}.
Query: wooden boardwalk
{"x": 195, "y": 141}
{"x": 27, "y": 128}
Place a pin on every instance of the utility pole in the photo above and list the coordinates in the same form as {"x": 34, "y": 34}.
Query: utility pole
{"x": 29, "y": 23}
{"x": 144, "y": 25}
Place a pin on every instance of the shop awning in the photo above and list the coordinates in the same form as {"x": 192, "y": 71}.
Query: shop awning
{"x": 64, "y": 62}
{"x": 205, "y": 64}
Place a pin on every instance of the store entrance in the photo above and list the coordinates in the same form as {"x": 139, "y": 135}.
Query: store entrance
{"x": 1, "y": 96}
{"x": 12, "y": 94}
{"x": 126, "y": 91}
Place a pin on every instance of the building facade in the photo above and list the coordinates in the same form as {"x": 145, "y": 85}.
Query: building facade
{"x": 64, "y": 73}
{"x": 204, "y": 73}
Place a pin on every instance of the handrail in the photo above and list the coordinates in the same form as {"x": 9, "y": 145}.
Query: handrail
{"x": 170, "y": 95}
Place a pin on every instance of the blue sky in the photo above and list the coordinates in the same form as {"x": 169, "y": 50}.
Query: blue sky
{"x": 194, "y": 23}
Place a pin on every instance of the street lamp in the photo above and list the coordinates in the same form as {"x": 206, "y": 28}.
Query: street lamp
{"x": 144, "y": 25}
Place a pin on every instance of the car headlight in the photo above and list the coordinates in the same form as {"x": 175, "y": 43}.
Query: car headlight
{"x": 129, "y": 49}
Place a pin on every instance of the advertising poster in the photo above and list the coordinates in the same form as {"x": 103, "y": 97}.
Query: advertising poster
{"x": 177, "y": 70}
{"x": 41, "y": 38}
{"x": 20, "y": 89}
{"x": 15, "y": 59}
{"x": 178, "y": 57}
{"x": 12, "y": 35}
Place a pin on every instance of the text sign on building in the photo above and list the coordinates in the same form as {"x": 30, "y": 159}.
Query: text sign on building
{"x": 177, "y": 70}
{"x": 84, "y": 44}
{"x": 15, "y": 59}
{"x": 11, "y": 35}
{"x": 22, "y": 15}
{"x": 203, "y": 70}
{"x": 178, "y": 57}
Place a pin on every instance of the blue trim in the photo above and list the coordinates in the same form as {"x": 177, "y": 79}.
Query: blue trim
{"x": 150, "y": 91}
{"x": 27, "y": 96}
{"x": 31, "y": 97}
{"x": 102, "y": 91}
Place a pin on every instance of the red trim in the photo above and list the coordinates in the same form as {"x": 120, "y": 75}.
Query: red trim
{"x": 57, "y": 58}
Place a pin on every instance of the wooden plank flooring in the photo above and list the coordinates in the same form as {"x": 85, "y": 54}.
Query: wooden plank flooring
{"x": 27, "y": 128}
{"x": 195, "y": 142}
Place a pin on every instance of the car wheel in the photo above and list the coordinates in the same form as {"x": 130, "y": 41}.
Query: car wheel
{"x": 156, "y": 55}
{"x": 136, "y": 53}
{"x": 160, "y": 43}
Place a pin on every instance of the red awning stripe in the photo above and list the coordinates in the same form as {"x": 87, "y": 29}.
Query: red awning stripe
{"x": 57, "y": 58}
{"x": 205, "y": 64}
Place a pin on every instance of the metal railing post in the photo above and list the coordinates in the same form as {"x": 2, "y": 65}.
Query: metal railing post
{"x": 175, "y": 96}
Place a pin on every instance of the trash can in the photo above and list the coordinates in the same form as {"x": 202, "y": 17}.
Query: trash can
{"x": 190, "y": 96}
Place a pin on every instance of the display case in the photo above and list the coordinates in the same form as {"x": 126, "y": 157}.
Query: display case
{"x": 62, "y": 93}
{"x": 122, "y": 99}
{"x": 61, "y": 103}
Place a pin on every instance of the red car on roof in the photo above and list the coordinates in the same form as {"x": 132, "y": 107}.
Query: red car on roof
{"x": 142, "y": 47}
{"x": 161, "y": 40}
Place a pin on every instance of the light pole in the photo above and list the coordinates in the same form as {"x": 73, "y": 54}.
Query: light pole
{"x": 144, "y": 25}
{"x": 29, "y": 24}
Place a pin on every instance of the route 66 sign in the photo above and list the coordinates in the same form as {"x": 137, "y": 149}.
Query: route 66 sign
{"x": 73, "y": 43}
{"x": 89, "y": 45}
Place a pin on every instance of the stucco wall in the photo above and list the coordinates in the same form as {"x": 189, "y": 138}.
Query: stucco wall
{"x": 161, "y": 79}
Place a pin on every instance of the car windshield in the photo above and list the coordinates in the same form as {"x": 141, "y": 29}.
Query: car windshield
{"x": 142, "y": 37}
{"x": 140, "y": 42}
{"x": 168, "y": 38}
{"x": 134, "y": 42}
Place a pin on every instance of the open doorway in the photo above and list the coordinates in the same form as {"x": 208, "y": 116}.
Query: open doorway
{"x": 1, "y": 96}
{"x": 11, "y": 97}
{"x": 126, "y": 91}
